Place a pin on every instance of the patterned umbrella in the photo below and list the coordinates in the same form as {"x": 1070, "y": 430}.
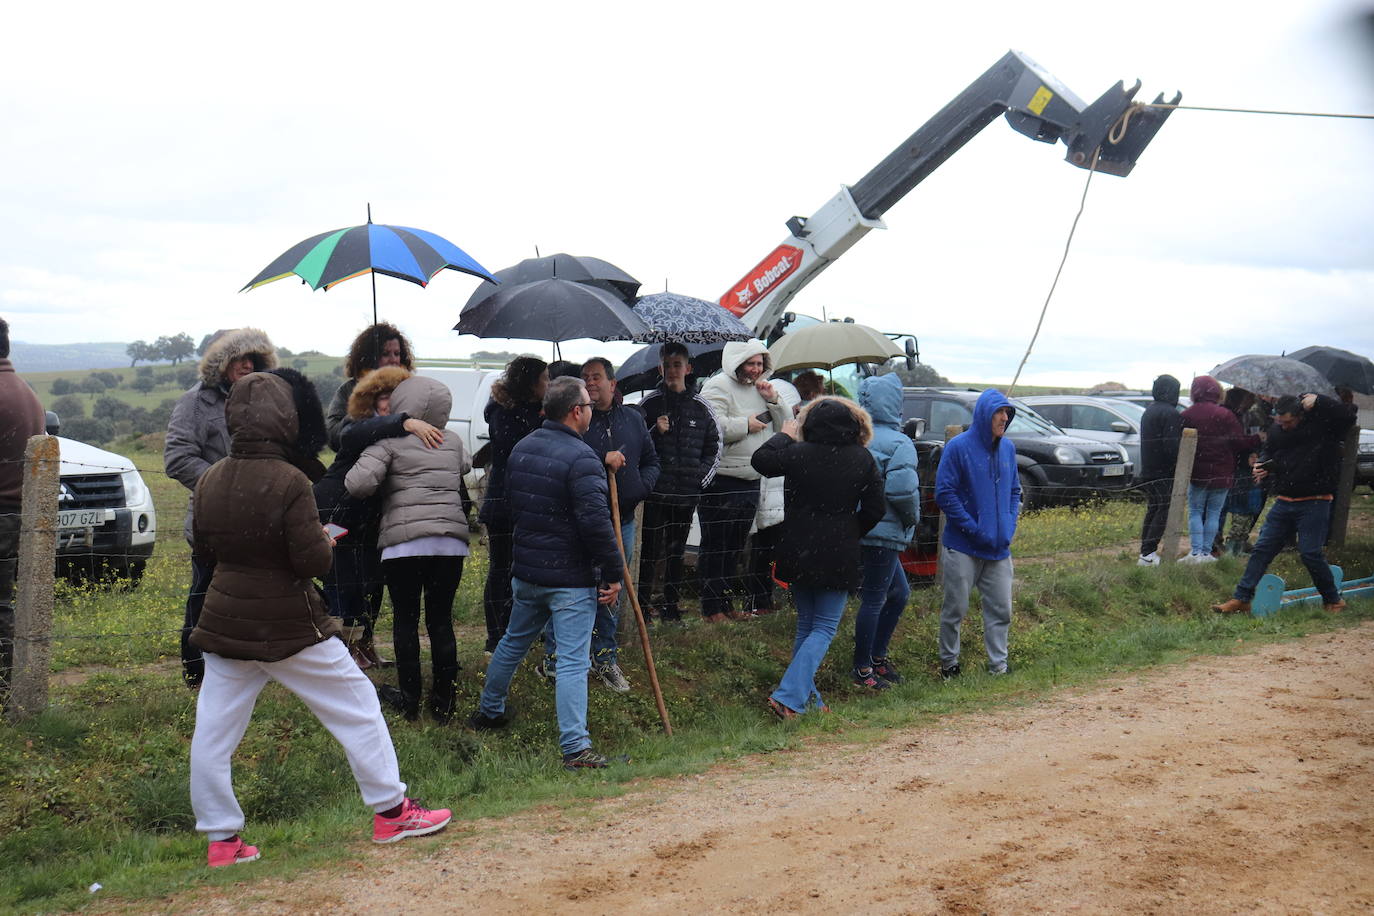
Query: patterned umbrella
{"x": 330, "y": 258}
{"x": 1272, "y": 376}
{"x": 589, "y": 271}
{"x": 1340, "y": 367}
{"x": 686, "y": 320}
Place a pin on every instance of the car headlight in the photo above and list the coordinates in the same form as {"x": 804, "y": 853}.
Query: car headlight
{"x": 135, "y": 491}
{"x": 1065, "y": 455}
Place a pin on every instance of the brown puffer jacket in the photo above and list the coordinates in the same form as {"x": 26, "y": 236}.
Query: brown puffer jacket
{"x": 256, "y": 519}
{"x": 420, "y": 486}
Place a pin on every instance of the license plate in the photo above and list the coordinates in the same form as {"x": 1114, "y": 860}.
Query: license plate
{"x": 1114, "y": 470}
{"x": 83, "y": 518}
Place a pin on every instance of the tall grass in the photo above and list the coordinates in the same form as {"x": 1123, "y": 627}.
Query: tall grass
{"x": 94, "y": 789}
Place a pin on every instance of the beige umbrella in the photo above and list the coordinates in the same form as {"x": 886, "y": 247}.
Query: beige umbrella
{"x": 835, "y": 343}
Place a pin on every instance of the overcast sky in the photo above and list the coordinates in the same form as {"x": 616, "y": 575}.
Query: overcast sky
{"x": 158, "y": 156}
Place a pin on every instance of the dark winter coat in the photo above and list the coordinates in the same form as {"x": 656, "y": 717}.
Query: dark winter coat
{"x": 1307, "y": 458}
{"x": 561, "y": 511}
{"x": 1160, "y": 430}
{"x": 336, "y": 418}
{"x": 197, "y": 436}
{"x": 689, "y": 452}
{"x": 21, "y": 417}
{"x": 256, "y": 520}
{"x": 832, "y": 492}
{"x": 1220, "y": 437}
{"x": 508, "y": 421}
{"x": 621, "y": 429}
{"x": 977, "y": 486}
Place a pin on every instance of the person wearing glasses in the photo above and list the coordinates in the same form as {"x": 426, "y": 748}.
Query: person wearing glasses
{"x": 564, "y": 562}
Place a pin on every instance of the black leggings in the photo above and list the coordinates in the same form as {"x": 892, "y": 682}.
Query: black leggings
{"x": 496, "y": 598}
{"x": 437, "y": 578}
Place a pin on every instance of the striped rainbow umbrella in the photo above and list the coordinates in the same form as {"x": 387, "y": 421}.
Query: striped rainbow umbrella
{"x": 330, "y": 258}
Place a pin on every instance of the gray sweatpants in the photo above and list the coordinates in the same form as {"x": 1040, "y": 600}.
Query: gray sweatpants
{"x": 962, "y": 573}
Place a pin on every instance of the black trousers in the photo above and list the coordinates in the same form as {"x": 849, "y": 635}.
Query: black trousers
{"x": 435, "y": 579}
{"x": 664, "y": 539}
{"x": 192, "y": 664}
{"x": 763, "y": 551}
{"x": 727, "y": 513}
{"x": 9, "y": 572}
{"x": 496, "y": 597}
{"x": 1156, "y": 513}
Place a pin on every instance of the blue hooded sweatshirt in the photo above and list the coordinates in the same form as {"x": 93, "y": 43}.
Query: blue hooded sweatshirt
{"x": 977, "y": 487}
{"x": 895, "y": 454}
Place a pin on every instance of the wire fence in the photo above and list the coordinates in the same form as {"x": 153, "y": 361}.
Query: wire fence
{"x": 112, "y": 596}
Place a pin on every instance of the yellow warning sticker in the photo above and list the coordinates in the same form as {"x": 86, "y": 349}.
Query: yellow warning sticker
{"x": 1040, "y": 100}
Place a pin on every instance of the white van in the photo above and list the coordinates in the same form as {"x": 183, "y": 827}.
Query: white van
{"x": 106, "y": 523}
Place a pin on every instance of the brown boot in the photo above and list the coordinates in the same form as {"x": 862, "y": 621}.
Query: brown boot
{"x": 1232, "y": 606}
{"x": 1335, "y": 607}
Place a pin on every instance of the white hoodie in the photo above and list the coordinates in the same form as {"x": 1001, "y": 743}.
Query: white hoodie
{"x": 734, "y": 402}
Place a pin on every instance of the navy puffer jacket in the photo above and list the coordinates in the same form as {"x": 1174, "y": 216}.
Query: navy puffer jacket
{"x": 561, "y": 511}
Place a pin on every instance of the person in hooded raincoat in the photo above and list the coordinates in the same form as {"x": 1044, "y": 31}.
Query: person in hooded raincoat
{"x": 979, "y": 491}
{"x": 748, "y": 409}
{"x": 263, "y": 618}
{"x": 1220, "y": 442}
{"x": 833, "y": 496}
{"x": 884, "y": 592}
{"x": 1161, "y": 427}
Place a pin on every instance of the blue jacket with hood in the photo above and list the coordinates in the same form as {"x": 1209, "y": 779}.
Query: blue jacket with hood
{"x": 895, "y": 454}
{"x": 977, "y": 486}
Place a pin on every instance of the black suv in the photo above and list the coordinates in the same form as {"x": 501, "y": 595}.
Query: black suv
{"x": 1052, "y": 464}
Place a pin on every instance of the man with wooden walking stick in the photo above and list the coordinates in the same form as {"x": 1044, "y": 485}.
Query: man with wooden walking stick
{"x": 565, "y": 562}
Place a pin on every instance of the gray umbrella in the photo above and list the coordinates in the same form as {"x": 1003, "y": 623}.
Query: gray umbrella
{"x": 673, "y": 317}
{"x": 555, "y": 310}
{"x": 1272, "y": 376}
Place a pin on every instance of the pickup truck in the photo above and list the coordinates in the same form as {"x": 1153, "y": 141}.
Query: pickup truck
{"x": 106, "y": 522}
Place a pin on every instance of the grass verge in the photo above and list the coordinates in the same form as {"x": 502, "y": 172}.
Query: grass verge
{"x": 94, "y": 790}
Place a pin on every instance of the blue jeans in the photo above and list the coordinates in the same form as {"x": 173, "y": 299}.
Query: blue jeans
{"x": 1204, "y": 516}
{"x": 570, "y": 612}
{"x": 1309, "y": 520}
{"x": 882, "y": 598}
{"x": 818, "y": 617}
{"x": 604, "y": 646}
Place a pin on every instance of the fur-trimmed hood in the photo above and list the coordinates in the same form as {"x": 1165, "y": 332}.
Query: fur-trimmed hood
{"x": 229, "y": 346}
{"x": 362, "y": 403}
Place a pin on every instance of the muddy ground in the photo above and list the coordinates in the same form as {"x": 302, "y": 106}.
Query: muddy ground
{"x": 1236, "y": 784}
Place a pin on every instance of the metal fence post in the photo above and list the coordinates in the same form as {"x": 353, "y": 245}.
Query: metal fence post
{"x": 1178, "y": 497}
{"x": 37, "y": 565}
{"x": 1345, "y": 487}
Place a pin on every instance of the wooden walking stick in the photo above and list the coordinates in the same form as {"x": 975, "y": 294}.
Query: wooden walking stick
{"x": 639, "y": 614}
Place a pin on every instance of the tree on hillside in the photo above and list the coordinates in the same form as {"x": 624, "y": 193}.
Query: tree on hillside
{"x": 92, "y": 386}
{"x": 187, "y": 376}
{"x": 205, "y": 343}
{"x": 143, "y": 384}
{"x": 69, "y": 405}
{"x": 139, "y": 351}
{"x": 112, "y": 409}
{"x": 177, "y": 348}
{"x": 109, "y": 378}
{"x": 497, "y": 356}
{"x": 61, "y": 386}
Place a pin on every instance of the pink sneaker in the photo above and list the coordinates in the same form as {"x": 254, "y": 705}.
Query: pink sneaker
{"x": 412, "y": 821}
{"x": 233, "y": 851}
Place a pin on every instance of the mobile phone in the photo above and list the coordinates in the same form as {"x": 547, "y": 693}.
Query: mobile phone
{"x": 335, "y": 531}
{"x": 764, "y": 417}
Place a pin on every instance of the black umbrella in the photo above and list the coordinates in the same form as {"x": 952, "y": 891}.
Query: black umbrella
{"x": 640, "y": 371}
{"x": 1341, "y": 367}
{"x": 555, "y": 310}
{"x": 671, "y": 316}
{"x": 588, "y": 271}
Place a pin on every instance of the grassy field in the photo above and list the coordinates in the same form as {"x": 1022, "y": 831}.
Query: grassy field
{"x": 94, "y": 789}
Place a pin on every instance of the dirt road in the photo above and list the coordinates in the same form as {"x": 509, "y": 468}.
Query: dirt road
{"x": 1228, "y": 785}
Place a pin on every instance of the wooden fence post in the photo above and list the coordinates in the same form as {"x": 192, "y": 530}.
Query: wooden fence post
{"x": 34, "y": 592}
{"x": 1178, "y": 497}
{"x": 1345, "y": 487}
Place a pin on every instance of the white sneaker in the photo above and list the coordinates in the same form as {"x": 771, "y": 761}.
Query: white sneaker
{"x": 1148, "y": 559}
{"x": 1205, "y": 558}
{"x": 612, "y": 677}
{"x": 1190, "y": 560}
